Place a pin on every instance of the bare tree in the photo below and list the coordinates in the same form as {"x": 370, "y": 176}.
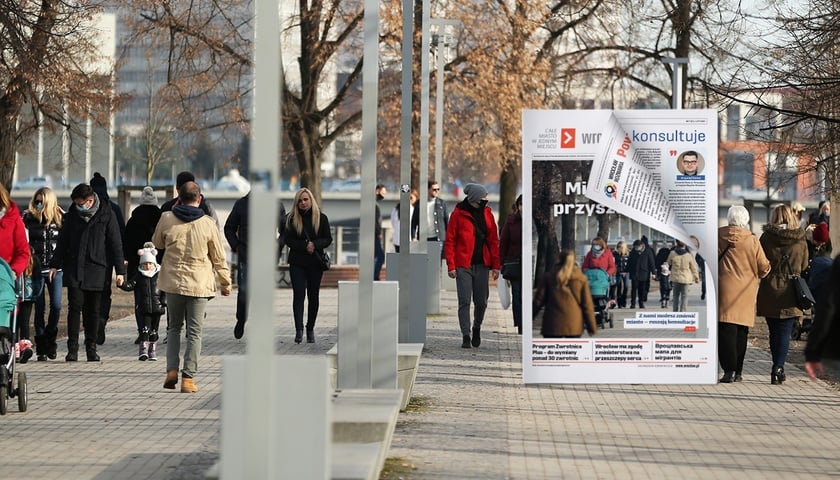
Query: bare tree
{"x": 209, "y": 49}
{"x": 49, "y": 53}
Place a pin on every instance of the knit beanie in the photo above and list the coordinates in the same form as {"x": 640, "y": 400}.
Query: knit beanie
{"x": 821, "y": 233}
{"x": 475, "y": 192}
{"x": 148, "y": 253}
{"x": 147, "y": 196}
{"x": 98, "y": 180}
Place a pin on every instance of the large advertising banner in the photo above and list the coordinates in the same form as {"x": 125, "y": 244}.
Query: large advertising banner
{"x": 643, "y": 177}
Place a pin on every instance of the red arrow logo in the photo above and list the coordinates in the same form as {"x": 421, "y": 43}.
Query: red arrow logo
{"x": 567, "y": 138}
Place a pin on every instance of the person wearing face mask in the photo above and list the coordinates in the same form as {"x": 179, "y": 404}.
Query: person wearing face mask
{"x": 43, "y": 220}
{"x": 472, "y": 256}
{"x": 89, "y": 245}
{"x": 599, "y": 257}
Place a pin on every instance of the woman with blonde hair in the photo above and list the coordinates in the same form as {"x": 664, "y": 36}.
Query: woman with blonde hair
{"x": 307, "y": 235}
{"x": 43, "y": 222}
{"x": 564, "y": 293}
{"x": 783, "y": 242}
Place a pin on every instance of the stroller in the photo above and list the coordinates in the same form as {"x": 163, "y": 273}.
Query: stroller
{"x": 8, "y": 325}
{"x": 599, "y": 287}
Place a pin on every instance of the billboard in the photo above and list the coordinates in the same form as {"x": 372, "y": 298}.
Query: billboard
{"x": 646, "y": 175}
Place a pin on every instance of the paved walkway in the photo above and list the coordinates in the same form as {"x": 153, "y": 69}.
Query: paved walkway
{"x": 113, "y": 420}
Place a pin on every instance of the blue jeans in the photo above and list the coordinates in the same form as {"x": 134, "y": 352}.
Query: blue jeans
{"x": 50, "y": 330}
{"x": 780, "y": 329}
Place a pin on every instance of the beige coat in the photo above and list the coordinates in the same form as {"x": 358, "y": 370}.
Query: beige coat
{"x": 193, "y": 258}
{"x": 683, "y": 268}
{"x": 566, "y": 307}
{"x": 739, "y": 271}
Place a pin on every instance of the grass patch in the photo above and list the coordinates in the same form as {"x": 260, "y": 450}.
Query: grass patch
{"x": 396, "y": 468}
{"x": 418, "y": 404}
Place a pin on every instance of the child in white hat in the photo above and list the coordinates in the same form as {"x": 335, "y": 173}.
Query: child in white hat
{"x": 149, "y": 302}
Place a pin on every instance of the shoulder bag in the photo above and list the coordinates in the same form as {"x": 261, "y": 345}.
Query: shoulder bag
{"x": 804, "y": 297}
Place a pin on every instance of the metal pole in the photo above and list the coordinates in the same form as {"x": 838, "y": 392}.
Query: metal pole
{"x": 266, "y": 131}
{"x": 440, "y": 52}
{"x": 405, "y": 162}
{"x": 424, "y": 129}
{"x": 678, "y": 64}
{"x": 370, "y": 93}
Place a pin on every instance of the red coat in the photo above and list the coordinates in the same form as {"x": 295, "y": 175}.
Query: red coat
{"x": 14, "y": 248}
{"x": 605, "y": 262}
{"x": 460, "y": 240}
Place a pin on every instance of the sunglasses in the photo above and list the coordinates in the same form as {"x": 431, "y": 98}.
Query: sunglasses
{"x": 435, "y": 189}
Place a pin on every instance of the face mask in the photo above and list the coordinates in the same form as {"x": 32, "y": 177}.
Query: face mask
{"x": 379, "y": 196}
{"x": 39, "y": 206}
{"x": 482, "y": 203}
{"x": 597, "y": 248}
{"x": 82, "y": 208}
{"x": 638, "y": 249}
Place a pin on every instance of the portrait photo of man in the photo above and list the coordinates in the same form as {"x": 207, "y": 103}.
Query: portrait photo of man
{"x": 690, "y": 163}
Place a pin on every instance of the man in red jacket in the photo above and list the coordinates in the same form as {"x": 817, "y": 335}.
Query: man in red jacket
{"x": 472, "y": 255}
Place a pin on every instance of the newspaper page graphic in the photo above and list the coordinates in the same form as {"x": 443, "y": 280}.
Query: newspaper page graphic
{"x": 640, "y": 176}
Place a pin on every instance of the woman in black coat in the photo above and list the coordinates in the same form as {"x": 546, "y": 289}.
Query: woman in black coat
{"x": 823, "y": 347}
{"x": 89, "y": 246}
{"x": 138, "y": 231}
{"x": 642, "y": 265}
{"x": 307, "y": 236}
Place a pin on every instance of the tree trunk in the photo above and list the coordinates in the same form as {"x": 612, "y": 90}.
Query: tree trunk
{"x": 7, "y": 148}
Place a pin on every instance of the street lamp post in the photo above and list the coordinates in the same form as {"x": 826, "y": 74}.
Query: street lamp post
{"x": 440, "y": 41}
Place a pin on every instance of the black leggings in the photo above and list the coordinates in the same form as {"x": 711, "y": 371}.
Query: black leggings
{"x": 732, "y": 346}
{"x": 306, "y": 282}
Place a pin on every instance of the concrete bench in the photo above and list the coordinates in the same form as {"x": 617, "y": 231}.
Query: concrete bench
{"x": 349, "y": 461}
{"x": 366, "y": 417}
{"x": 408, "y": 361}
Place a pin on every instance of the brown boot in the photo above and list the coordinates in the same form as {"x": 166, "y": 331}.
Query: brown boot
{"x": 171, "y": 379}
{"x": 188, "y": 386}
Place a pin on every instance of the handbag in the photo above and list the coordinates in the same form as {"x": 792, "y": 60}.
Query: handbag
{"x": 512, "y": 269}
{"x": 804, "y": 297}
{"x": 504, "y": 293}
{"x": 324, "y": 257}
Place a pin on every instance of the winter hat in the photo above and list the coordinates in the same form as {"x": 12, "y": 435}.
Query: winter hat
{"x": 821, "y": 233}
{"x": 147, "y": 197}
{"x": 183, "y": 178}
{"x": 98, "y": 180}
{"x": 475, "y": 192}
{"x": 148, "y": 253}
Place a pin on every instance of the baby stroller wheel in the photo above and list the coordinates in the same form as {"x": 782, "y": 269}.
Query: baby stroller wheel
{"x": 610, "y": 316}
{"x": 22, "y": 393}
{"x": 4, "y": 398}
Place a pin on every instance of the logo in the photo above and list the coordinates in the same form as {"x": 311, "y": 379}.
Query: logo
{"x": 611, "y": 190}
{"x": 567, "y": 138}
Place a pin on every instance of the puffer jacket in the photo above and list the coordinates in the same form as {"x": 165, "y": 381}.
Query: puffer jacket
{"x": 13, "y": 245}
{"x": 776, "y": 293}
{"x": 742, "y": 265}
{"x": 42, "y": 238}
{"x": 566, "y": 306}
{"x": 89, "y": 250}
{"x": 460, "y": 239}
{"x": 147, "y": 298}
{"x": 194, "y": 253}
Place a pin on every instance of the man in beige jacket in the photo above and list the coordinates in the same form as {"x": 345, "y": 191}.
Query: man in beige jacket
{"x": 193, "y": 257}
